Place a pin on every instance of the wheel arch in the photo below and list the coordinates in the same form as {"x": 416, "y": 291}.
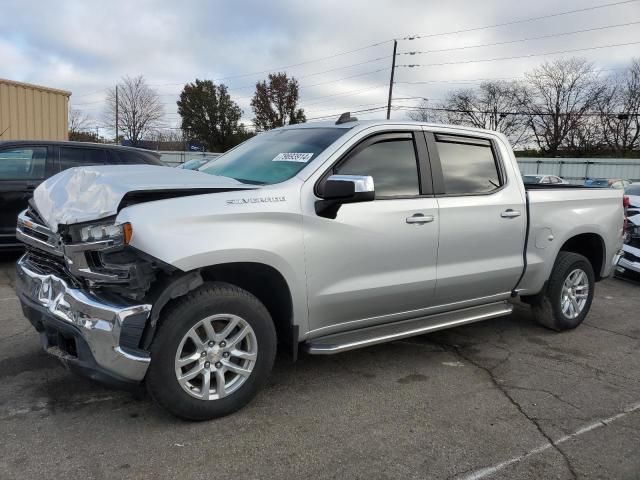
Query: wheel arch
{"x": 263, "y": 281}
{"x": 591, "y": 246}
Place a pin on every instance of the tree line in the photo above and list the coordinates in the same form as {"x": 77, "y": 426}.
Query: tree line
{"x": 208, "y": 114}
{"x": 563, "y": 107}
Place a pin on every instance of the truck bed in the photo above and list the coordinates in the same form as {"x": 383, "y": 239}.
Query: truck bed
{"x": 558, "y": 212}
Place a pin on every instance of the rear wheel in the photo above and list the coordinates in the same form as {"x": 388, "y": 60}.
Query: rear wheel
{"x": 567, "y": 298}
{"x": 213, "y": 352}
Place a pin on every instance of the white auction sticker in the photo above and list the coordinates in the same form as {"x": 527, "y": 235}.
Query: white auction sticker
{"x": 293, "y": 157}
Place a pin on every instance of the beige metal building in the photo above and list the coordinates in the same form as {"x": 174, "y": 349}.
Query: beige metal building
{"x": 32, "y": 112}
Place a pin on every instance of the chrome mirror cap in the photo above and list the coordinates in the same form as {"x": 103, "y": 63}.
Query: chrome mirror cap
{"x": 362, "y": 183}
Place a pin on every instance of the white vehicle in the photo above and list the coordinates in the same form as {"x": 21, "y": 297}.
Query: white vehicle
{"x": 632, "y": 192}
{"x": 629, "y": 263}
{"x": 328, "y": 236}
{"x": 552, "y": 179}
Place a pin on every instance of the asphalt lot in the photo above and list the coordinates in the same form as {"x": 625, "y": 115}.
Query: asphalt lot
{"x": 500, "y": 399}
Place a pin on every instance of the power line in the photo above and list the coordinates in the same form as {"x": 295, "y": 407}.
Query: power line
{"x": 492, "y": 112}
{"x": 270, "y": 70}
{"x": 346, "y": 78}
{"x": 343, "y": 94}
{"x": 383, "y": 107}
{"x": 474, "y": 81}
{"x": 343, "y": 109}
{"x": 423, "y": 52}
{"x": 519, "y": 56}
{"x": 516, "y": 22}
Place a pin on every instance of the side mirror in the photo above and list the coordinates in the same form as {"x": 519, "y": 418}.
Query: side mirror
{"x": 340, "y": 189}
{"x": 349, "y": 188}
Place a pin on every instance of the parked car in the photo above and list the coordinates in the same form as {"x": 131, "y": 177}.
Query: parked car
{"x": 546, "y": 179}
{"x": 632, "y": 192}
{"x": 326, "y": 237}
{"x": 25, "y": 164}
{"x": 196, "y": 163}
{"x": 618, "y": 184}
{"x": 629, "y": 263}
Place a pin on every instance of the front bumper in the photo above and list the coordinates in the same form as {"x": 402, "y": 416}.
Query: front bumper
{"x": 93, "y": 334}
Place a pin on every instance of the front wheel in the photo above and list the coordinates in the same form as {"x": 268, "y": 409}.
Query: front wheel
{"x": 212, "y": 353}
{"x": 567, "y": 299}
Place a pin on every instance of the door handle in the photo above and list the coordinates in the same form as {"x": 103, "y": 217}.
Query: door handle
{"x": 509, "y": 213}
{"x": 420, "y": 218}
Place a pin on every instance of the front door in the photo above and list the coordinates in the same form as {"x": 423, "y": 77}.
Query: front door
{"x": 376, "y": 261}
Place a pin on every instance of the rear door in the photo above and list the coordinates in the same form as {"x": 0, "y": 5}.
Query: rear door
{"x": 482, "y": 219}
{"x": 22, "y": 169}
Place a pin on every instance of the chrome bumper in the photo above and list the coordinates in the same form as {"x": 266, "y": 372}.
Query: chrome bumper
{"x": 98, "y": 321}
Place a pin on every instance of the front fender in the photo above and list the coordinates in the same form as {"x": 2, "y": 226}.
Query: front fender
{"x": 203, "y": 231}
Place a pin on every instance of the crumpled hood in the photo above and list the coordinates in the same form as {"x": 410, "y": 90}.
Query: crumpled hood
{"x": 89, "y": 193}
{"x": 634, "y": 200}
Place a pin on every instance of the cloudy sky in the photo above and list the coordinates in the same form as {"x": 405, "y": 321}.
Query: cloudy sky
{"x": 340, "y": 51}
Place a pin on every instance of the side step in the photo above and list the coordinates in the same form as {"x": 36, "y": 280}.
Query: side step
{"x": 342, "y": 342}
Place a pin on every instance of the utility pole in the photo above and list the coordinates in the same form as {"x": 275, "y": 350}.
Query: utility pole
{"x": 117, "y": 105}
{"x": 393, "y": 69}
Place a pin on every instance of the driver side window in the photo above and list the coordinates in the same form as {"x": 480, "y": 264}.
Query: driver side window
{"x": 391, "y": 162}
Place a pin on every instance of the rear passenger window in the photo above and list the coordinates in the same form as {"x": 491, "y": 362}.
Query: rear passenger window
{"x": 468, "y": 165}
{"x": 391, "y": 163}
{"x": 79, "y": 157}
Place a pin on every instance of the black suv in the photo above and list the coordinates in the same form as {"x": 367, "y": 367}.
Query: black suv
{"x": 25, "y": 164}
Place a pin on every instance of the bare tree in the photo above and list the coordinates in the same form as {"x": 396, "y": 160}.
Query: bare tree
{"x": 139, "y": 108}
{"x": 556, "y": 99}
{"x": 427, "y": 112}
{"x": 78, "y": 123}
{"x": 493, "y": 106}
{"x": 619, "y": 109}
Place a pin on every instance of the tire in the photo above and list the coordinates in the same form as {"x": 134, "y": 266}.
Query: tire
{"x": 548, "y": 305}
{"x": 183, "y": 325}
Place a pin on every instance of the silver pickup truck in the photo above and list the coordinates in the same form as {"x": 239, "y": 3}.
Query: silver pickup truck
{"x": 325, "y": 236}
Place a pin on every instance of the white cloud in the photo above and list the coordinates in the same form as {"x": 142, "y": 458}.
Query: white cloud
{"x": 87, "y": 46}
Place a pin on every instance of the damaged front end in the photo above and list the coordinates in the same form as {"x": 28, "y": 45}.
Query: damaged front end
{"x": 83, "y": 288}
{"x": 629, "y": 262}
{"x": 95, "y": 255}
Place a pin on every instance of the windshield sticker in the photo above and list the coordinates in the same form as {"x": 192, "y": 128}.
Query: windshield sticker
{"x": 293, "y": 157}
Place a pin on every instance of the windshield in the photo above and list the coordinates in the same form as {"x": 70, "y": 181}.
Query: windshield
{"x": 531, "y": 179}
{"x": 273, "y": 157}
{"x": 632, "y": 190}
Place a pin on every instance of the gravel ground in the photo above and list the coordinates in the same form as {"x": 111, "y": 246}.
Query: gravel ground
{"x": 500, "y": 399}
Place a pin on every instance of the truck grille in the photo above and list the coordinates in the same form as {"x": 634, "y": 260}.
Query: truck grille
{"x": 47, "y": 264}
{"x": 630, "y": 256}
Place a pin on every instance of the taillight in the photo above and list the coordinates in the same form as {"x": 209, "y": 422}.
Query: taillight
{"x": 625, "y": 201}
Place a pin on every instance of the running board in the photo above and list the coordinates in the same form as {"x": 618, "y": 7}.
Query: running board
{"x": 342, "y": 342}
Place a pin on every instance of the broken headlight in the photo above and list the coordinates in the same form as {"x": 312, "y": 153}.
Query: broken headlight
{"x": 119, "y": 232}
